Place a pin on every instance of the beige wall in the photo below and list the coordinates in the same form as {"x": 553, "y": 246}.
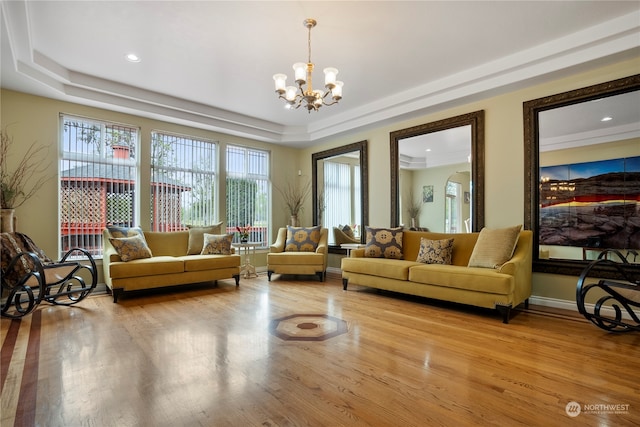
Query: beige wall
{"x": 504, "y": 159}
{"x": 36, "y": 119}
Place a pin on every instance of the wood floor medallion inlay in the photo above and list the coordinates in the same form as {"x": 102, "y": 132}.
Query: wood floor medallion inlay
{"x": 307, "y": 327}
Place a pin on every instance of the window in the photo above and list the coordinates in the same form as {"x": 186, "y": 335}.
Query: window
{"x": 183, "y": 182}
{"x": 98, "y": 180}
{"x": 342, "y": 188}
{"x": 248, "y": 192}
{"x": 453, "y": 208}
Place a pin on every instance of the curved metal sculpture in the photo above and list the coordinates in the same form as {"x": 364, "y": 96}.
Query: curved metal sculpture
{"x": 28, "y": 279}
{"x": 619, "y": 296}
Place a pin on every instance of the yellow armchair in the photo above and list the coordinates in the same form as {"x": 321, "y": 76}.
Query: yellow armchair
{"x": 305, "y": 263}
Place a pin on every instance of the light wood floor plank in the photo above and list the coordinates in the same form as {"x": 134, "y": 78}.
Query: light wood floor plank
{"x": 205, "y": 356}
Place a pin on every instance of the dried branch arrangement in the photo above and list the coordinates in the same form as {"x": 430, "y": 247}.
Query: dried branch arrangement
{"x": 294, "y": 196}
{"x": 28, "y": 176}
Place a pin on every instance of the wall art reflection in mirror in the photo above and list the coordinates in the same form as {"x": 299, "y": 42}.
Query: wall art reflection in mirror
{"x": 591, "y": 206}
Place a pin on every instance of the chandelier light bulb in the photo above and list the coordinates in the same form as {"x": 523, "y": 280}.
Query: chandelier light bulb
{"x": 290, "y": 93}
{"x": 281, "y": 82}
{"x": 336, "y": 92}
{"x": 300, "y": 70}
{"x": 330, "y": 75}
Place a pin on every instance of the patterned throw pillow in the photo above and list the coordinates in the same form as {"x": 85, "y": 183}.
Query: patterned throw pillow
{"x": 348, "y": 231}
{"x": 118, "y": 232}
{"x": 494, "y": 247}
{"x": 383, "y": 243}
{"x": 302, "y": 239}
{"x": 130, "y": 248}
{"x": 435, "y": 251}
{"x": 196, "y": 236}
{"x": 216, "y": 244}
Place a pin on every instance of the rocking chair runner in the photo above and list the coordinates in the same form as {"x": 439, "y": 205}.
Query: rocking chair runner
{"x": 618, "y": 295}
{"x": 29, "y": 276}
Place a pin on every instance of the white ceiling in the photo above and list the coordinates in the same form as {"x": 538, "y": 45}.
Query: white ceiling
{"x": 209, "y": 64}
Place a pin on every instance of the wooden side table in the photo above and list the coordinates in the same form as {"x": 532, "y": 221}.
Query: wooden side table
{"x": 248, "y": 270}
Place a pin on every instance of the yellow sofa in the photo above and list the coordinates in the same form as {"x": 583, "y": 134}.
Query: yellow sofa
{"x": 170, "y": 265}
{"x": 500, "y": 288}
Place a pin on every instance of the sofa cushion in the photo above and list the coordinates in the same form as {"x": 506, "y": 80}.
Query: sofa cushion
{"x": 301, "y": 258}
{"x": 435, "y": 251}
{"x": 196, "y": 236}
{"x": 302, "y": 239}
{"x": 494, "y": 247}
{"x": 383, "y": 243}
{"x": 469, "y": 278}
{"x": 389, "y": 268}
{"x": 131, "y": 248}
{"x": 217, "y": 244}
{"x": 146, "y": 267}
{"x": 209, "y": 262}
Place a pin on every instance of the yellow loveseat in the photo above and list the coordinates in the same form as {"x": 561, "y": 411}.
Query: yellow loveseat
{"x": 498, "y": 288}
{"x": 170, "y": 264}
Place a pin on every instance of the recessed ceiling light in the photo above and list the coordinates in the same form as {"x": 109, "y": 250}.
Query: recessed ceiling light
{"x": 606, "y": 119}
{"x": 132, "y": 57}
{"x": 428, "y": 149}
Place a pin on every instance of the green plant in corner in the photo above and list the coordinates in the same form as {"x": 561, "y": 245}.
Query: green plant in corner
{"x": 23, "y": 181}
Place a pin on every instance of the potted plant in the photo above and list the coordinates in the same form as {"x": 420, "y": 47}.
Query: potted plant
{"x": 243, "y": 232}
{"x": 294, "y": 197}
{"x": 20, "y": 183}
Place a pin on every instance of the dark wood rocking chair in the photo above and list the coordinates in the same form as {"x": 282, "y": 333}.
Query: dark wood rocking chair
{"x": 28, "y": 276}
{"x": 618, "y": 294}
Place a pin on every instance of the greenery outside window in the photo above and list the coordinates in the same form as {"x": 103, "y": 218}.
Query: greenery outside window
{"x": 183, "y": 182}
{"x": 248, "y": 193}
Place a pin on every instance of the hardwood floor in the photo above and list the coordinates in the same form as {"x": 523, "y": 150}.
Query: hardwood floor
{"x": 207, "y": 356}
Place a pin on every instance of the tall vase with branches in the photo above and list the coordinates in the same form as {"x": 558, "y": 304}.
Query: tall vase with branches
{"x": 414, "y": 206}
{"x": 21, "y": 182}
{"x": 294, "y": 196}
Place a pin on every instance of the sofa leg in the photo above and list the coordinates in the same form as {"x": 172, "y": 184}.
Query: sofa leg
{"x": 116, "y": 294}
{"x": 505, "y": 310}
{"x": 237, "y": 278}
{"x": 526, "y": 303}
{"x": 269, "y": 273}
{"x": 320, "y": 275}
{"x": 344, "y": 284}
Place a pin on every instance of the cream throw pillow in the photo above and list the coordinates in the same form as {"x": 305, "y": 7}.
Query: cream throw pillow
{"x": 217, "y": 244}
{"x": 494, "y": 247}
{"x": 196, "y": 236}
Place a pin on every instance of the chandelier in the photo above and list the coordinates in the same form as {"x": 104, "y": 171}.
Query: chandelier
{"x": 310, "y": 98}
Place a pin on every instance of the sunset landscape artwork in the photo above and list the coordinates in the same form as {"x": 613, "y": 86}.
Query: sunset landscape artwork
{"x": 592, "y": 204}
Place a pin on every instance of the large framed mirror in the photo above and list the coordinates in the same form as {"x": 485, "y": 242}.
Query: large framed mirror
{"x": 582, "y": 176}
{"x": 340, "y": 192}
{"x": 437, "y": 175}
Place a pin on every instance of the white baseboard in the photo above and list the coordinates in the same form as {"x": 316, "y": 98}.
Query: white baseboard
{"x": 572, "y": 306}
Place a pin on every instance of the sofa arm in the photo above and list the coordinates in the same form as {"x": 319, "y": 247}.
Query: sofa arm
{"x": 357, "y": 253}
{"x": 278, "y": 245}
{"x": 322, "y": 249}
{"x": 519, "y": 266}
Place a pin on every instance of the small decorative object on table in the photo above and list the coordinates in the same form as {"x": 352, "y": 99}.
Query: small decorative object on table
{"x": 243, "y": 232}
{"x": 621, "y": 294}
